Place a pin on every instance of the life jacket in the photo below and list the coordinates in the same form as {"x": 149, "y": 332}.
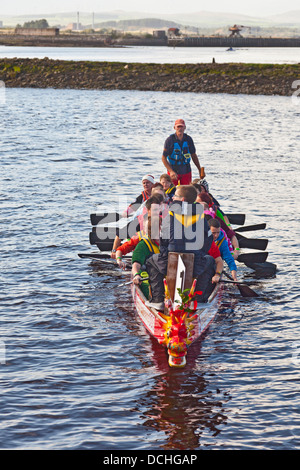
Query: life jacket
{"x": 140, "y": 234}
{"x": 210, "y": 212}
{"x": 180, "y": 155}
{"x": 228, "y": 240}
{"x": 145, "y": 196}
{"x": 141, "y": 218}
{"x": 224, "y": 238}
{"x": 153, "y": 247}
{"x": 171, "y": 190}
{"x": 220, "y": 241}
{"x": 186, "y": 227}
{"x": 170, "y": 193}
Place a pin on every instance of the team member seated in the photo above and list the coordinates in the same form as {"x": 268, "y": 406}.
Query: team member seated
{"x": 185, "y": 219}
{"x": 152, "y": 206}
{"x": 147, "y": 246}
{"x": 221, "y": 242}
{"x": 147, "y": 182}
{"x": 167, "y": 185}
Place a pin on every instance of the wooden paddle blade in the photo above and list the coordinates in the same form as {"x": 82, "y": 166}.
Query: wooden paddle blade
{"x": 249, "y": 228}
{"x": 250, "y": 258}
{"x": 94, "y": 255}
{"x": 236, "y": 219}
{"x": 263, "y": 270}
{"x": 104, "y": 218}
{"x": 256, "y": 244}
{"x": 246, "y": 291}
{"x": 103, "y": 245}
{"x": 104, "y": 237}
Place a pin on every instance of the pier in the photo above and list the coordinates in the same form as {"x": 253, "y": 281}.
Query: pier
{"x": 222, "y": 41}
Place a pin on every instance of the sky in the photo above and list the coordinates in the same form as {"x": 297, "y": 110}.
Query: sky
{"x": 249, "y": 7}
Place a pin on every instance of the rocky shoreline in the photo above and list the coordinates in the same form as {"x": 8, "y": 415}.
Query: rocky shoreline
{"x": 254, "y": 79}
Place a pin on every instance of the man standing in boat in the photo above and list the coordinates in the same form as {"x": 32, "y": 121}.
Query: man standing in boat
{"x": 179, "y": 150}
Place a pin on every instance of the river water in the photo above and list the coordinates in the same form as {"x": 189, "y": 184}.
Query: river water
{"x": 159, "y": 54}
{"x": 78, "y": 370}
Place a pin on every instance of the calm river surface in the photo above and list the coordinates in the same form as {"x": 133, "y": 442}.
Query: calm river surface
{"x": 78, "y": 370}
{"x": 159, "y": 54}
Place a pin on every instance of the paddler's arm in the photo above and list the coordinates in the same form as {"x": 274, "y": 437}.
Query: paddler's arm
{"x": 236, "y": 246}
{"x": 172, "y": 173}
{"x": 219, "y": 269}
{"x": 196, "y": 162}
{"x": 135, "y": 273}
{"x": 139, "y": 257}
{"x": 120, "y": 262}
{"x": 116, "y": 244}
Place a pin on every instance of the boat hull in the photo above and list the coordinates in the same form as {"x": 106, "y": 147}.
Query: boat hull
{"x": 160, "y": 325}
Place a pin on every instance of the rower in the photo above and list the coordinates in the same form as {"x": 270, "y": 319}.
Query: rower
{"x": 221, "y": 242}
{"x": 147, "y": 247}
{"x": 167, "y": 185}
{"x": 202, "y": 186}
{"x": 147, "y": 182}
{"x": 152, "y": 205}
{"x": 216, "y": 213}
{"x": 183, "y": 231}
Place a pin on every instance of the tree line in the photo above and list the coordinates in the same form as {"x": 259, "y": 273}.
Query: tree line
{"x": 41, "y": 24}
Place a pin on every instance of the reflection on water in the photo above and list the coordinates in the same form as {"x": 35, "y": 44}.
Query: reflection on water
{"x": 81, "y": 372}
{"x": 180, "y": 406}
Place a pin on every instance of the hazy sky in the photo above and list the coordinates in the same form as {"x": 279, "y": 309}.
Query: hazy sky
{"x": 249, "y": 7}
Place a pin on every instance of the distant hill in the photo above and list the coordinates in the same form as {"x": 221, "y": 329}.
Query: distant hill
{"x": 200, "y": 19}
{"x": 212, "y": 19}
{"x": 154, "y": 23}
{"x": 290, "y": 17}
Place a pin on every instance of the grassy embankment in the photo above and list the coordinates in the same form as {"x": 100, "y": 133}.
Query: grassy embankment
{"x": 262, "y": 79}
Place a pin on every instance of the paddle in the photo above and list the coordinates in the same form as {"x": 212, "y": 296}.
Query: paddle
{"x": 100, "y": 256}
{"x": 251, "y": 258}
{"x": 105, "y": 217}
{"x": 234, "y": 282}
{"x": 236, "y": 219}
{"x": 244, "y": 289}
{"x": 130, "y": 282}
{"x": 256, "y": 244}
{"x": 94, "y": 255}
{"x": 109, "y": 217}
{"x": 263, "y": 269}
{"x": 249, "y": 228}
{"x": 246, "y": 258}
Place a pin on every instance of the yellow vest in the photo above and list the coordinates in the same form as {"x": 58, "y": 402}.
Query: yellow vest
{"x": 153, "y": 248}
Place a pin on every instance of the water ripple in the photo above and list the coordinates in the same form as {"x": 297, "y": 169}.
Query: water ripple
{"x": 80, "y": 371}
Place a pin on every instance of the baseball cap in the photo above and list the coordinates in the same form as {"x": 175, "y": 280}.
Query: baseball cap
{"x": 149, "y": 178}
{"x": 179, "y": 122}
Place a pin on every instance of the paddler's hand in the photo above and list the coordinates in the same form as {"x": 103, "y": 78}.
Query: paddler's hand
{"x": 216, "y": 278}
{"x": 137, "y": 279}
{"x": 173, "y": 175}
{"x": 121, "y": 263}
{"x": 113, "y": 254}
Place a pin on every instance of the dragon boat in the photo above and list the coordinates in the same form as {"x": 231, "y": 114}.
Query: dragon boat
{"x": 183, "y": 320}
